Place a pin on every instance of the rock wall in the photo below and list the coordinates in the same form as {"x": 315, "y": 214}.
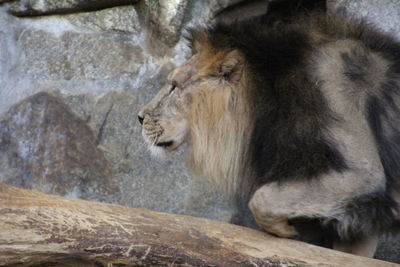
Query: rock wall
{"x": 73, "y": 75}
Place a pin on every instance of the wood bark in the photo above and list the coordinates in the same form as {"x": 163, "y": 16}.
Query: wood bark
{"x": 46, "y": 230}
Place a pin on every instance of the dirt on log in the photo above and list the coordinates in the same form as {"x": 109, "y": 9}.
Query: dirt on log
{"x": 38, "y": 229}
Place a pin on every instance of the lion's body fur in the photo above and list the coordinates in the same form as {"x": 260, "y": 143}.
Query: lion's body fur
{"x": 304, "y": 117}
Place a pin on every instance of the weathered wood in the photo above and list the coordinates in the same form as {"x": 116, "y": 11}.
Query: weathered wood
{"x": 37, "y": 228}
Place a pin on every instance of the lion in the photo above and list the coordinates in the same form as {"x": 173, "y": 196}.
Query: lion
{"x": 301, "y": 118}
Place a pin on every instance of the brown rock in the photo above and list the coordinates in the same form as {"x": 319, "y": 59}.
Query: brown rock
{"x": 44, "y": 145}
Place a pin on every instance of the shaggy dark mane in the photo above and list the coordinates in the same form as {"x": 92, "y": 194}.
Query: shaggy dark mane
{"x": 289, "y": 110}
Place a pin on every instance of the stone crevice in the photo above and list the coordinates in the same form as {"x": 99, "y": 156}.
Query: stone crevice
{"x": 103, "y": 124}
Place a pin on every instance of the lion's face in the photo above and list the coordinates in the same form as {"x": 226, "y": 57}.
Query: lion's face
{"x": 166, "y": 119}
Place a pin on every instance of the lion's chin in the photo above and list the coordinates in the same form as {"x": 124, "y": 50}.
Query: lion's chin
{"x": 160, "y": 149}
{"x": 158, "y": 152}
{"x": 165, "y": 143}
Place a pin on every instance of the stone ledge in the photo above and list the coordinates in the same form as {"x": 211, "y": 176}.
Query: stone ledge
{"x": 51, "y": 7}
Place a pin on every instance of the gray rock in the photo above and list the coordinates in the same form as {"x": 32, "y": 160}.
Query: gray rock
{"x": 385, "y": 14}
{"x": 67, "y": 54}
{"x": 11, "y": 59}
{"x": 44, "y": 145}
{"x": 77, "y": 56}
{"x": 51, "y": 7}
{"x": 165, "y": 20}
{"x": 113, "y": 20}
{"x": 81, "y": 105}
{"x": 113, "y": 120}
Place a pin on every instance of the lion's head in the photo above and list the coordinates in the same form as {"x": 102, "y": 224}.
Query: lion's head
{"x": 205, "y": 86}
{"x": 202, "y": 104}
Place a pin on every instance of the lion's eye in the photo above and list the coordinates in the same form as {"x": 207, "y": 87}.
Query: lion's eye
{"x": 173, "y": 86}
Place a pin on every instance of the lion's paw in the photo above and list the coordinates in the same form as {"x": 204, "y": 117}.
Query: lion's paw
{"x": 279, "y": 227}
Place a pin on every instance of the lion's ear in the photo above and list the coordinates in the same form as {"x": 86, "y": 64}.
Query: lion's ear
{"x": 232, "y": 66}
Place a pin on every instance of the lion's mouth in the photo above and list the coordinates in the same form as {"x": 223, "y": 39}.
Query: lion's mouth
{"x": 165, "y": 144}
{"x": 160, "y": 140}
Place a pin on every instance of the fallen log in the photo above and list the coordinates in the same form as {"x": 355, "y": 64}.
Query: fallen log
{"x": 41, "y": 229}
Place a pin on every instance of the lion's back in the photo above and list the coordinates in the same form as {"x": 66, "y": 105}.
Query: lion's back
{"x": 332, "y": 87}
{"x": 360, "y": 73}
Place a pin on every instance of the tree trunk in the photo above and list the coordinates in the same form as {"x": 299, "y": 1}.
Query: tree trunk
{"x": 40, "y": 229}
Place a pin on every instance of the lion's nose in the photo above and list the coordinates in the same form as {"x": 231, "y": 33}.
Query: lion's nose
{"x": 140, "y": 119}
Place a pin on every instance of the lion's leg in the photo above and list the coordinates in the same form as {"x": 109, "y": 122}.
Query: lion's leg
{"x": 274, "y": 204}
{"x": 364, "y": 246}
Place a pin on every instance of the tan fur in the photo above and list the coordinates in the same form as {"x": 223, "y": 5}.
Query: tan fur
{"x": 353, "y": 135}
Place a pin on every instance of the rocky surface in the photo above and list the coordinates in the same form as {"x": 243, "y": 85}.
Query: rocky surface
{"x": 384, "y": 14}
{"x": 101, "y": 61}
{"x": 44, "y": 145}
{"x": 119, "y": 20}
{"x": 79, "y": 56}
{"x": 165, "y": 20}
